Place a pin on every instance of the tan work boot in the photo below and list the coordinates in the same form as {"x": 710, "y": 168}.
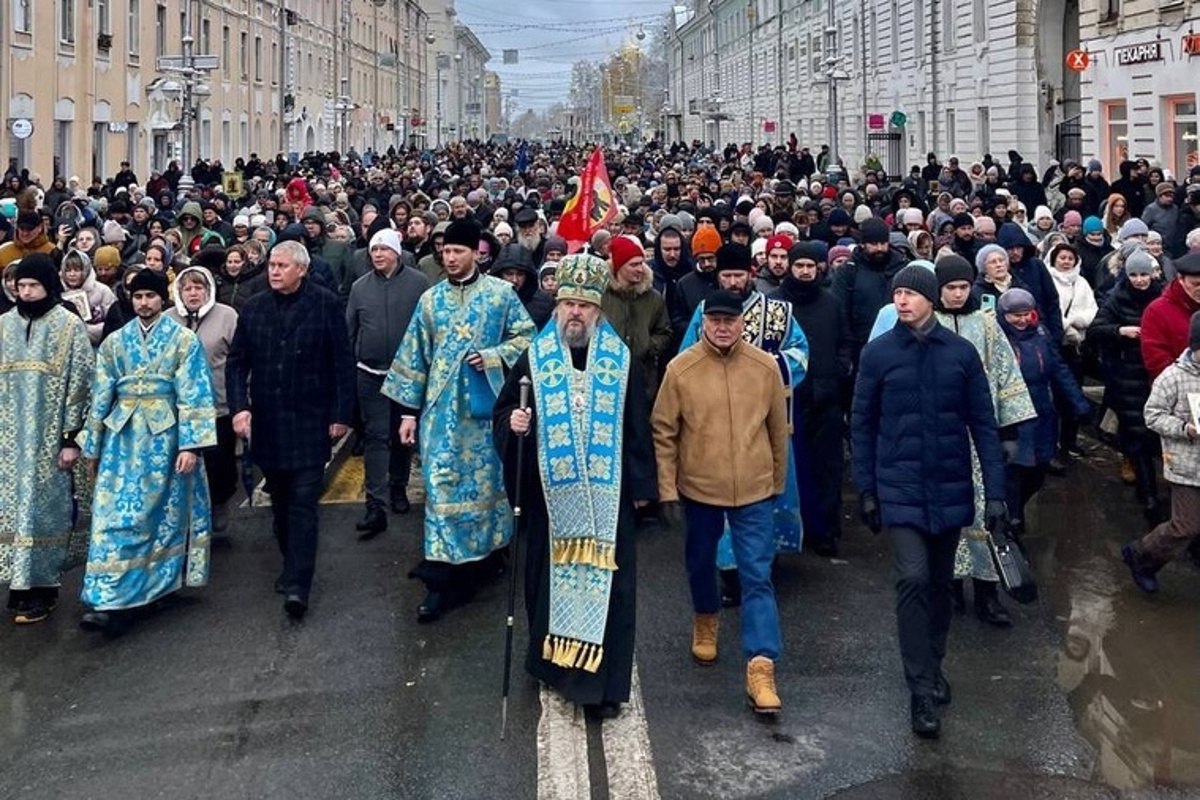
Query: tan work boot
{"x": 760, "y": 686}
{"x": 704, "y": 639}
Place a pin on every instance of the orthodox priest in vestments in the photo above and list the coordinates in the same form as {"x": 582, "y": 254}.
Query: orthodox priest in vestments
{"x": 447, "y": 372}
{"x": 153, "y": 411}
{"x": 46, "y": 363}
{"x": 588, "y": 461}
{"x": 771, "y": 328}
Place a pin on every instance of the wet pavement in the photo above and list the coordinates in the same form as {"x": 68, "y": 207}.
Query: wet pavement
{"x": 1094, "y": 693}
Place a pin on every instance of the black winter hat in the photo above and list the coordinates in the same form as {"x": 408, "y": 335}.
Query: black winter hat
{"x": 734, "y": 256}
{"x": 464, "y": 232}
{"x": 723, "y": 302}
{"x": 40, "y": 267}
{"x": 147, "y": 280}
{"x": 953, "y": 268}
{"x": 874, "y": 231}
{"x": 919, "y": 280}
{"x": 962, "y": 219}
{"x": 815, "y": 251}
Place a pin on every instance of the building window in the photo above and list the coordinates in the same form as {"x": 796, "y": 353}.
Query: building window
{"x": 1182, "y": 150}
{"x": 979, "y": 20}
{"x": 949, "y": 34}
{"x": 244, "y": 52}
{"x": 258, "y": 53}
{"x": 160, "y": 31}
{"x": 62, "y": 147}
{"x": 918, "y": 41}
{"x": 1114, "y": 117}
{"x": 225, "y": 50}
{"x": 131, "y": 147}
{"x": 275, "y": 63}
{"x": 99, "y": 144}
{"x": 103, "y": 17}
{"x": 66, "y": 21}
{"x": 1110, "y": 10}
{"x": 205, "y": 37}
{"x": 23, "y": 16}
{"x": 134, "y": 31}
{"x": 983, "y": 121}
{"x": 951, "y": 132}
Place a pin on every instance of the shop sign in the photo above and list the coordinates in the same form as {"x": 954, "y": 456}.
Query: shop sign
{"x": 1138, "y": 53}
{"x": 1191, "y": 44}
{"x": 875, "y": 122}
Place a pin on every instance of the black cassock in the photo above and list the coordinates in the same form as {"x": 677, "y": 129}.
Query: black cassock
{"x": 610, "y": 684}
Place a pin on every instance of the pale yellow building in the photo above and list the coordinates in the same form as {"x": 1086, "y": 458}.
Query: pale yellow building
{"x": 87, "y": 84}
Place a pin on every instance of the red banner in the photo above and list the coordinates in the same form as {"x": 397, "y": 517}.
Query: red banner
{"x": 590, "y": 208}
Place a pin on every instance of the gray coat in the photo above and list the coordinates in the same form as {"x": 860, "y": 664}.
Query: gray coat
{"x": 378, "y": 313}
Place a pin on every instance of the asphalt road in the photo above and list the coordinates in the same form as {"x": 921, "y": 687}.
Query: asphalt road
{"x": 1094, "y": 693}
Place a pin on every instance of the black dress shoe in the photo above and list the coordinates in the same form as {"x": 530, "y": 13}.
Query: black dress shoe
{"x": 602, "y": 711}
{"x": 295, "y": 606}
{"x": 432, "y": 607}
{"x": 373, "y": 523}
{"x": 110, "y": 623}
{"x": 400, "y": 504}
{"x": 924, "y": 714}
{"x": 826, "y": 548}
{"x": 941, "y": 691}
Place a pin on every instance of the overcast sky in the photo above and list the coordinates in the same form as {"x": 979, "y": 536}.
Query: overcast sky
{"x": 551, "y": 35}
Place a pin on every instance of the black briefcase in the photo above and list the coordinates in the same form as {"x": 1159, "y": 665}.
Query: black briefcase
{"x": 1015, "y": 575}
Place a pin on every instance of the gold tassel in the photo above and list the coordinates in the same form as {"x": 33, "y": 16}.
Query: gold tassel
{"x": 547, "y": 649}
{"x": 593, "y": 663}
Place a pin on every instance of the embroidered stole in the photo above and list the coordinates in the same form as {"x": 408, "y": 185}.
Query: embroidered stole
{"x": 579, "y": 434}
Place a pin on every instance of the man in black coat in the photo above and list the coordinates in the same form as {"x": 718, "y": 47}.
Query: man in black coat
{"x": 292, "y": 344}
{"x": 818, "y": 406}
{"x": 920, "y": 391}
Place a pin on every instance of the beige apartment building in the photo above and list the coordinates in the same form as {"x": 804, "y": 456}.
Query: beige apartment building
{"x": 87, "y": 84}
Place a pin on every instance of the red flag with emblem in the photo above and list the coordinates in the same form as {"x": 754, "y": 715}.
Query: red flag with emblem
{"x": 591, "y": 207}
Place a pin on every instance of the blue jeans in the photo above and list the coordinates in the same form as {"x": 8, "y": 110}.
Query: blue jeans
{"x": 753, "y": 530}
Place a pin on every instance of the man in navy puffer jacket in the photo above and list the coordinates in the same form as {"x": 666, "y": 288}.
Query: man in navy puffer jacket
{"x": 920, "y": 400}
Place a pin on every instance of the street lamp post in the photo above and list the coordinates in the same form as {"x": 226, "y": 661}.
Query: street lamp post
{"x": 443, "y": 62}
{"x": 458, "y": 95}
{"x": 343, "y": 106}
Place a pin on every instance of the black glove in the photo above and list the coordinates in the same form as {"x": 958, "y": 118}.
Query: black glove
{"x": 995, "y": 517}
{"x": 868, "y": 511}
{"x": 671, "y": 514}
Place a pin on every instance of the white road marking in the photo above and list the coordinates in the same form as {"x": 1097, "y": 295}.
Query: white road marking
{"x": 627, "y": 753}
{"x": 562, "y": 750}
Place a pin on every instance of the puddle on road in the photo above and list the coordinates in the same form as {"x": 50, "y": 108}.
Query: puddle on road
{"x": 1130, "y": 664}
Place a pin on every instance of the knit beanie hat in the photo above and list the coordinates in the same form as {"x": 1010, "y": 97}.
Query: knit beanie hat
{"x": 1072, "y": 218}
{"x": 107, "y": 256}
{"x": 40, "y": 267}
{"x": 780, "y": 241}
{"x": 555, "y": 244}
{"x": 982, "y": 256}
{"x": 912, "y": 216}
{"x": 951, "y": 268}
{"x": 964, "y": 220}
{"x": 734, "y": 256}
{"x": 622, "y": 250}
{"x": 839, "y": 251}
{"x": 1139, "y": 262}
{"x": 985, "y": 225}
{"x": 839, "y": 217}
{"x": 815, "y": 251}
{"x": 1015, "y": 301}
{"x": 387, "y": 238}
{"x": 1194, "y": 332}
{"x": 1134, "y": 227}
{"x": 1092, "y": 225}
{"x": 705, "y": 240}
{"x": 874, "y": 231}
{"x": 918, "y": 279}
{"x": 502, "y": 228}
{"x": 758, "y": 247}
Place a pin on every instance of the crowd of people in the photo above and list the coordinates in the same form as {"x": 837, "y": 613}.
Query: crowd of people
{"x": 708, "y": 358}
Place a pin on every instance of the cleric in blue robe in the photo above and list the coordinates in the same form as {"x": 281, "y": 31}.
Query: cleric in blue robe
{"x": 153, "y": 410}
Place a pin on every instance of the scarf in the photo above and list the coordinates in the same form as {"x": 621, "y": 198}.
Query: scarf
{"x": 579, "y": 435}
